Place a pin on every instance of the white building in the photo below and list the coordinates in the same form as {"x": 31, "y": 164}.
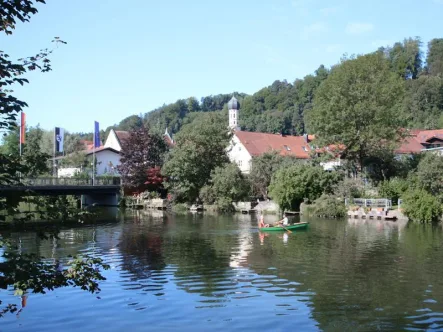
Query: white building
{"x": 115, "y": 139}
{"x": 107, "y": 160}
{"x": 107, "y": 156}
{"x": 245, "y": 145}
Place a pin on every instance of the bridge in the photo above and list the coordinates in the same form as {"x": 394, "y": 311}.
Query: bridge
{"x": 100, "y": 191}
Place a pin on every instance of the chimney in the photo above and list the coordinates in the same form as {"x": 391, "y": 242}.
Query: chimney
{"x": 305, "y": 136}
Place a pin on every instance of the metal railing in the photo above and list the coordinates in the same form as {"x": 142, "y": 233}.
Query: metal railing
{"x": 99, "y": 181}
{"x": 369, "y": 202}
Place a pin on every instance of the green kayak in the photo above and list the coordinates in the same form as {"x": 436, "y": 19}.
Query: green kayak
{"x": 292, "y": 227}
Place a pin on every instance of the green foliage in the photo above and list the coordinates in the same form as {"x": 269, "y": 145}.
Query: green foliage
{"x": 357, "y": 107}
{"x": 180, "y": 208}
{"x": 23, "y": 272}
{"x": 421, "y": 206}
{"x": 434, "y": 60}
{"x": 279, "y": 108}
{"x": 173, "y": 116}
{"x": 227, "y": 185}
{"x": 349, "y": 188}
{"x": 262, "y": 169}
{"x": 423, "y": 103}
{"x": 33, "y": 158}
{"x": 10, "y": 142}
{"x": 430, "y": 174}
{"x": 328, "y": 206}
{"x": 29, "y": 273}
{"x": 393, "y": 189}
{"x": 200, "y": 148}
{"x": 291, "y": 185}
{"x": 405, "y": 58}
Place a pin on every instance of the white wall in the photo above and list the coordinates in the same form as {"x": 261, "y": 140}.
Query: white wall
{"x": 67, "y": 172}
{"x": 103, "y": 158}
{"x": 331, "y": 165}
{"x": 112, "y": 141}
{"x": 238, "y": 154}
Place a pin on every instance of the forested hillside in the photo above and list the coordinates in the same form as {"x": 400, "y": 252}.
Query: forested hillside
{"x": 280, "y": 107}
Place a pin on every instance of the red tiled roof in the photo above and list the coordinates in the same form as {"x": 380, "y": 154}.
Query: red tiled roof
{"x": 416, "y": 139}
{"x": 409, "y": 145}
{"x": 426, "y": 135}
{"x": 259, "y": 143}
{"x": 122, "y": 136}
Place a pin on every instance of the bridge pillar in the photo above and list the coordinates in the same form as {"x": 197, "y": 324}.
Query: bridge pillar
{"x": 100, "y": 200}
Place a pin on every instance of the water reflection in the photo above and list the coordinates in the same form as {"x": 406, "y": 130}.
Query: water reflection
{"x": 212, "y": 270}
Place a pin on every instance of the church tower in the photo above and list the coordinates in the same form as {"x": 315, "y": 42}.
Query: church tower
{"x": 233, "y": 107}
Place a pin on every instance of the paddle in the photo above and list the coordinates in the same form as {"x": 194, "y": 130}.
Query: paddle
{"x": 286, "y": 229}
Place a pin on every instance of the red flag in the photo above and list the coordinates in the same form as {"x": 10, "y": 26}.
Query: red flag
{"x": 22, "y": 128}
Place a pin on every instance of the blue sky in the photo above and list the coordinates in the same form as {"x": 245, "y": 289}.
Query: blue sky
{"x": 129, "y": 59}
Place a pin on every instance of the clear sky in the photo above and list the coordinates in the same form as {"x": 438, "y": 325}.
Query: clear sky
{"x": 129, "y": 57}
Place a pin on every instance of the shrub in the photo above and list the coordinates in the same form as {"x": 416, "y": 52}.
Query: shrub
{"x": 329, "y": 206}
{"x": 180, "y": 208}
{"x": 393, "y": 189}
{"x": 227, "y": 185}
{"x": 421, "y": 206}
{"x": 350, "y": 188}
{"x": 291, "y": 185}
{"x": 430, "y": 173}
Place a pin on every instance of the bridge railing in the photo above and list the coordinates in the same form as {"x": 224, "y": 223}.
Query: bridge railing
{"x": 50, "y": 181}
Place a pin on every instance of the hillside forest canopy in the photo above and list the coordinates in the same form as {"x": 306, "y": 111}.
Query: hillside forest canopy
{"x": 282, "y": 106}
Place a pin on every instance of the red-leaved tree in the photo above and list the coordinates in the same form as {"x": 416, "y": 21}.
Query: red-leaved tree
{"x": 142, "y": 153}
{"x": 154, "y": 180}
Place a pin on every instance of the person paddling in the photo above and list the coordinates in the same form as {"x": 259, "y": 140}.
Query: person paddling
{"x": 284, "y": 222}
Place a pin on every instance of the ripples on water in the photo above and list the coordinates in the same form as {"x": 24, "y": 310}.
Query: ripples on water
{"x": 215, "y": 273}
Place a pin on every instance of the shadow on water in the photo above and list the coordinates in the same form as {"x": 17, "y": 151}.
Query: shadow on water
{"x": 336, "y": 275}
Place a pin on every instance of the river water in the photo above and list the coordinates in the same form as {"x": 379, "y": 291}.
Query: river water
{"x": 203, "y": 272}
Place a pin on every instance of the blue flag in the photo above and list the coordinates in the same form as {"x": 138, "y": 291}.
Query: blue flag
{"x": 97, "y": 142}
{"x": 59, "y": 139}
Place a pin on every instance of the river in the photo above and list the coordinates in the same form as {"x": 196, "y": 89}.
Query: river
{"x": 206, "y": 272}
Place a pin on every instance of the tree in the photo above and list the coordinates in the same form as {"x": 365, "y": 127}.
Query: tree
{"x": 406, "y": 58}
{"x": 10, "y": 144}
{"x": 423, "y": 102}
{"x": 357, "y": 107}
{"x": 262, "y": 169}
{"x": 200, "y": 147}
{"x": 35, "y": 160}
{"x": 24, "y": 272}
{"x": 421, "y": 206}
{"x": 140, "y": 152}
{"x": 154, "y": 179}
{"x": 434, "y": 60}
{"x": 130, "y": 122}
{"x": 430, "y": 174}
{"x": 291, "y": 185}
{"x": 227, "y": 185}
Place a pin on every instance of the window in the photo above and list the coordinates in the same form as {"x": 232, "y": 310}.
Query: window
{"x": 240, "y": 163}
{"x": 305, "y": 148}
{"x": 239, "y": 148}
{"x": 287, "y": 148}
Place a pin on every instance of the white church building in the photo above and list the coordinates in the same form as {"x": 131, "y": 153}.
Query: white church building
{"x": 246, "y": 145}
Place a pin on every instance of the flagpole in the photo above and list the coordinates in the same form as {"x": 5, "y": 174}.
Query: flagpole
{"x": 93, "y": 157}
{"x": 20, "y": 136}
{"x": 53, "y": 153}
